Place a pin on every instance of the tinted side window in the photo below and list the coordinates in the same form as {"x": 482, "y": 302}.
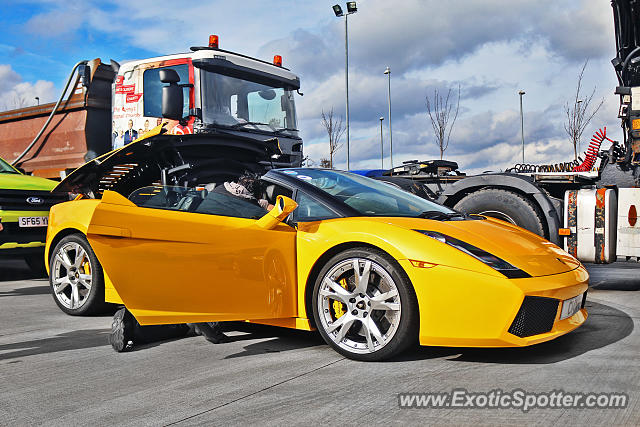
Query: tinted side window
{"x": 227, "y": 205}
{"x": 195, "y": 201}
{"x": 153, "y": 90}
{"x": 311, "y": 210}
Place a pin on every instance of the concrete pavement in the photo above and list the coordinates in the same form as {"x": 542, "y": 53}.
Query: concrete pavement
{"x": 60, "y": 370}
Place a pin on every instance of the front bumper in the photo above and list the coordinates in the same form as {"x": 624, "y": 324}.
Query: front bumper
{"x": 15, "y": 240}
{"x": 461, "y": 308}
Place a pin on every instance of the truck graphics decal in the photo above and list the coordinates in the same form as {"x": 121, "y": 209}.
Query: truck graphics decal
{"x": 572, "y": 222}
{"x": 599, "y": 226}
{"x": 131, "y": 117}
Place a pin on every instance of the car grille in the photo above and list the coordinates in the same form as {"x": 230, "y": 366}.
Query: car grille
{"x": 536, "y": 316}
{"x": 16, "y": 200}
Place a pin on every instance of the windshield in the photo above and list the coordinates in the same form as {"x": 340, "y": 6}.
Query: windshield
{"x": 368, "y": 196}
{"x": 5, "y": 168}
{"x": 245, "y": 104}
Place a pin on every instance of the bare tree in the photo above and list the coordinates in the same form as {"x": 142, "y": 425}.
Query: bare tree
{"x": 578, "y": 114}
{"x": 15, "y": 103}
{"x": 439, "y": 109}
{"x": 335, "y": 130}
{"x": 325, "y": 163}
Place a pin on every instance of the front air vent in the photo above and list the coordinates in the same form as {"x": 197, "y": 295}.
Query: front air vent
{"x": 536, "y": 316}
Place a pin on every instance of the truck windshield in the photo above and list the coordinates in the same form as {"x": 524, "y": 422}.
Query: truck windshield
{"x": 244, "y": 104}
{"x": 5, "y": 168}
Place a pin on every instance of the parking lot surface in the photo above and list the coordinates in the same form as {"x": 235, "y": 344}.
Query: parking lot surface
{"x": 59, "y": 370}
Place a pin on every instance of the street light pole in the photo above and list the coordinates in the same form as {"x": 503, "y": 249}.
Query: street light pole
{"x": 381, "y": 145}
{"x": 351, "y": 8}
{"x": 388, "y": 73}
{"x": 522, "y": 92}
{"x": 38, "y": 100}
{"x": 346, "y": 79}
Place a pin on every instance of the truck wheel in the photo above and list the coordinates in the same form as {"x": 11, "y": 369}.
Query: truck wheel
{"x": 76, "y": 278}
{"x": 504, "y": 205}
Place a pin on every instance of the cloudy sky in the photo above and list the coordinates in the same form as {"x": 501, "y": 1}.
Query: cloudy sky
{"x": 490, "y": 48}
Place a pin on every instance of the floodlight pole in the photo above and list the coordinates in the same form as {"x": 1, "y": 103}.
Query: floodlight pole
{"x": 351, "y": 8}
{"x": 381, "y": 145}
{"x": 388, "y": 73}
{"x": 346, "y": 79}
{"x": 522, "y": 92}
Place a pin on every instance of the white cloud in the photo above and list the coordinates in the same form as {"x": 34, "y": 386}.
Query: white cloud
{"x": 55, "y": 23}
{"x": 15, "y": 93}
{"x": 491, "y": 48}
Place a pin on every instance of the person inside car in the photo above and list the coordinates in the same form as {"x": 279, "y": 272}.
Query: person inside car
{"x": 247, "y": 187}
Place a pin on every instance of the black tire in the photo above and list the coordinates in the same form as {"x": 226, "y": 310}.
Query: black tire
{"x": 504, "y": 205}
{"x": 36, "y": 264}
{"x": 93, "y": 301}
{"x": 406, "y": 329}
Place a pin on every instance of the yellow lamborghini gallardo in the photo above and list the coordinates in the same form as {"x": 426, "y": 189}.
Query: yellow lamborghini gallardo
{"x": 373, "y": 268}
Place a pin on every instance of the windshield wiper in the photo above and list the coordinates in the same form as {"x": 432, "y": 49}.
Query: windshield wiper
{"x": 3, "y": 171}
{"x": 439, "y": 215}
{"x": 279, "y": 131}
{"x": 243, "y": 124}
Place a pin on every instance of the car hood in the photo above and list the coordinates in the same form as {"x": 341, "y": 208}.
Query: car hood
{"x": 140, "y": 163}
{"x": 14, "y": 181}
{"x": 521, "y": 248}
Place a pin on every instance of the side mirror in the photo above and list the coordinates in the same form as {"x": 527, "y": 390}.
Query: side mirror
{"x": 267, "y": 94}
{"x": 283, "y": 207}
{"x": 172, "y": 95}
{"x": 84, "y": 71}
{"x": 169, "y": 76}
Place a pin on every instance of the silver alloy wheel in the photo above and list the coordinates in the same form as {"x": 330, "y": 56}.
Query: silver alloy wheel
{"x": 359, "y": 305}
{"x": 71, "y": 275}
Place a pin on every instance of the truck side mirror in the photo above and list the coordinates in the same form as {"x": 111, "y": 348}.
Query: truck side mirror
{"x": 172, "y": 96}
{"x": 280, "y": 211}
{"x": 169, "y": 76}
{"x": 84, "y": 71}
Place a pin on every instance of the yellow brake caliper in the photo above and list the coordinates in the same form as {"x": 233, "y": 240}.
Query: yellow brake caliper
{"x": 86, "y": 267}
{"x": 338, "y": 307}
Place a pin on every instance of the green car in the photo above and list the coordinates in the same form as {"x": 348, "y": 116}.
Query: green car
{"x": 24, "y": 212}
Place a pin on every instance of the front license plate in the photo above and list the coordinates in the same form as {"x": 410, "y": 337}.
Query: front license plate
{"x": 33, "y": 221}
{"x": 570, "y": 306}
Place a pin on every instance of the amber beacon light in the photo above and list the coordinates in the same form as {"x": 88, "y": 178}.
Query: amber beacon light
{"x": 213, "y": 41}
{"x": 277, "y": 61}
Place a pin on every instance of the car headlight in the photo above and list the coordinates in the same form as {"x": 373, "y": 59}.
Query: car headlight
{"x": 492, "y": 261}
